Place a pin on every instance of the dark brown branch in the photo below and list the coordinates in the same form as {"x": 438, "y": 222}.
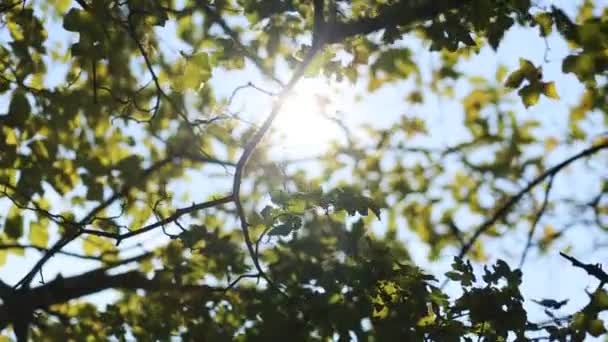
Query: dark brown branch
{"x": 75, "y": 229}
{"x": 159, "y": 90}
{"x": 319, "y": 20}
{"x": 594, "y": 270}
{"x": 124, "y": 191}
{"x": 59, "y": 219}
{"x": 171, "y": 218}
{"x": 5, "y": 291}
{"x": 246, "y": 86}
{"x": 252, "y": 145}
{"x": 401, "y": 13}
{"x": 502, "y": 211}
{"x": 62, "y": 289}
{"x": 19, "y": 305}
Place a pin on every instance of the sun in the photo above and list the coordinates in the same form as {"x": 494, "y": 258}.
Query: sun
{"x": 307, "y": 121}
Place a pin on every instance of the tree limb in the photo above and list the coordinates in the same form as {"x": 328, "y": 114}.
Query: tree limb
{"x": 255, "y": 140}
{"x": 593, "y": 270}
{"x": 400, "y": 13}
{"x": 502, "y": 211}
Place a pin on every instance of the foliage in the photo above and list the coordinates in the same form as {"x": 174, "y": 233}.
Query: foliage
{"x": 103, "y": 123}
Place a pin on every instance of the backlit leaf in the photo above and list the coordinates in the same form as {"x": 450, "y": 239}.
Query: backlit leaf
{"x": 550, "y": 91}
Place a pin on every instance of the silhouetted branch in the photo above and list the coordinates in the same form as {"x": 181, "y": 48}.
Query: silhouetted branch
{"x": 74, "y": 230}
{"x": 259, "y": 63}
{"x": 504, "y": 209}
{"x": 253, "y": 143}
{"x": 171, "y": 218}
{"x": 400, "y": 13}
{"x": 591, "y": 269}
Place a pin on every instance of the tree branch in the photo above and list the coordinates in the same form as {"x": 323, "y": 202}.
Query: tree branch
{"x": 401, "y": 13}
{"x": 75, "y": 228}
{"x": 256, "y": 60}
{"x": 537, "y": 218}
{"x": 593, "y": 270}
{"x": 502, "y": 211}
{"x": 173, "y": 217}
{"x": 255, "y": 140}
{"x": 45, "y": 250}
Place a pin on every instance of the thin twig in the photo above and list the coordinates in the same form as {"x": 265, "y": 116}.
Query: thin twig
{"x": 45, "y": 250}
{"x": 171, "y": 218}
{"x": 537, "y": 218}
{"x": 256, "y": 60}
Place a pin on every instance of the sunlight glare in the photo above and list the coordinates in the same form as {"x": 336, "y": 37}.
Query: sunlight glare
{"x": 306, "y": 123}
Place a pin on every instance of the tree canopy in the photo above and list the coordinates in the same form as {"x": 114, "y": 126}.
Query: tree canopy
{"x": 140, "y": 153}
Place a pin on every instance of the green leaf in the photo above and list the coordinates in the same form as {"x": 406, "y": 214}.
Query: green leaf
{"x": 95, "y": 191}
{"x": 89, "y": 247}
{"x": 600, "y": 299}
{"x": 18, "y": 111}
{"x": 192, "y": 236}
{"x": 529, "y": 95}
{"x": 583, "y": 66}
{"x": 39, "y": 233}
{"x": 349, "y": 199}
{"x": 13, "y": 225}
{"x": 289, "y": 224}
{"x": 63, "y": 5}
{"x": 196, "y": 72}
{"x": 531, "y": 73}
{"x": 596, "y": 327}
{"x": 550, "y": 91}
{"x": 462, "y": 272}
{"x": 76, "y": 20}
{"x": 515, "y": 79}
{"x": 545, "y": 22}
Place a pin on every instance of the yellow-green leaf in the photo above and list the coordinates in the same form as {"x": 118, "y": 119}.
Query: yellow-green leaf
{"x": 514, "y": 80}
{"x": 13, "y": 226}
{"x": 527, "y": 67}
{"x": 39, "y": 233}
{"x": 550, "y": 144}
{"x": 89, "y": 247}
{"x": 545, "y": 22}
{"x": 196, "y": 72}
{"x": 501, "y": 72}
{"x": 550, "y": 91}
{"x": 63, "y": 5}
{"x": 529, "y": 95}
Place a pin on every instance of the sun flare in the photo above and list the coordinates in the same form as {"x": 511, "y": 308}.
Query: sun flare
{"x": 307, "y": 120}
